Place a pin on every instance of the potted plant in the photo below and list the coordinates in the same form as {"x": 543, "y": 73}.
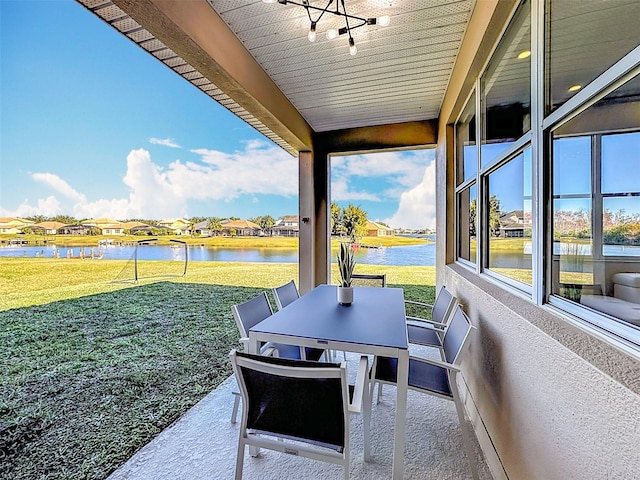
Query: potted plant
{"x": 346, "y": 263}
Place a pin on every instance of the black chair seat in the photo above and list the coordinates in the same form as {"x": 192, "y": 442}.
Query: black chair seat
{"x": 422, "y": 375}
{"x": 293, "y": 351}
{"x": 426, "y": 336}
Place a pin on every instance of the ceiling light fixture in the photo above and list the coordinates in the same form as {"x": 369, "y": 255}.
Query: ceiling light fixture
{"x": 357, "y": 22}
{"x": 525, "y": 54}
{"x": 575, "y": 88}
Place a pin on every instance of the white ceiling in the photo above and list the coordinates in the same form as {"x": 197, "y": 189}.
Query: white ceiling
{"x": 399, "y": 74}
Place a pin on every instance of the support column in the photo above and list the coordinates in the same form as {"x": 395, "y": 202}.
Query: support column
{"x": 306, "y": 234}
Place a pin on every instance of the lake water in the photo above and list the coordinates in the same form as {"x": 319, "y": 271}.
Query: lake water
{"x": 400, "y": 255}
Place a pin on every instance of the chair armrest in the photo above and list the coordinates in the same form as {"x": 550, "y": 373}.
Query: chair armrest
{"x": 437, "y": 363}
{"x": 265, "y": 350}
{"x": 362, "y": 383}
{"x": 438, "y": 325}
{"x": 419, "y": 304}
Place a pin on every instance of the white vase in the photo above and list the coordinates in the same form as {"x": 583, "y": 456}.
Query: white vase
{"x": 345, "y": 295}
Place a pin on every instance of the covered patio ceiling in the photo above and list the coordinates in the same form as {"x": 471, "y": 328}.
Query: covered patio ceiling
{"x": 255, "y": 59}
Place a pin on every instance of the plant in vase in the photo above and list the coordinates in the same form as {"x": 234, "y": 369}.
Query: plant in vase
{"x": 346, "y": 264}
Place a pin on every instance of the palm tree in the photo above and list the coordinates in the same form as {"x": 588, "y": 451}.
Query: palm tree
{"x": 214, "y": 225}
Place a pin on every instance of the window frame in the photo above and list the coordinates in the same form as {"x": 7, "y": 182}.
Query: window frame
{"x": 539, "y": 138}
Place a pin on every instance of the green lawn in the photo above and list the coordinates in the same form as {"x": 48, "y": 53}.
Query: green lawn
{"x": 92, "y": 370}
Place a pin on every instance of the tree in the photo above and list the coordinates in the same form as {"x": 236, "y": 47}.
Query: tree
{"x": 494, "y": 215}
{"x": 266, "y": 223}
{"x": 215, "y": 225}
{"x": 473, "y": 207}
{"x": 354, "y": 220}
{"x": 337, "y": 227}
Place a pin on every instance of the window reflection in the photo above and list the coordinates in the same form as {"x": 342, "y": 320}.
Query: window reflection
{"x": 467, "y": 223}
{"x": 596, "y": 206}
{"x": 509, "y": 219}
{"x": 506, "y": 90}
{"x": 585, "y": 39}
{"x": 466, "y": 142}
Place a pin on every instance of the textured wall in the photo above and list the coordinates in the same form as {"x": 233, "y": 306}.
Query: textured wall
{"x": 549, "y": 411}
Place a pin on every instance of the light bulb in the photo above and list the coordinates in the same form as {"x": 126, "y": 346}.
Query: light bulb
{"x": 331, "y": 34}
{"x": 312, "y": 32}
{"x": 384, "y": 20}
{"x": 352, "y": 47}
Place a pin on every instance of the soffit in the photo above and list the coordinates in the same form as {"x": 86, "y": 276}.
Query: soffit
{"x": 400, "y": 73}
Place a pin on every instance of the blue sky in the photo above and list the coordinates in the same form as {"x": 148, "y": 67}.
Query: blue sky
{"x": 92, "y": 126}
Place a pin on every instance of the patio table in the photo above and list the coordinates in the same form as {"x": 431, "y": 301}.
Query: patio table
{"x": 374, "y": 324}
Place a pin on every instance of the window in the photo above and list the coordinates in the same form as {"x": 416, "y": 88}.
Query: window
{"x": 577, "y": 174}
{"x": 509, "y": 219}
{"x": 467, "y": 159}
{"x": 585, "y": 39}
{"x": 467, "y": 223}
{"x": 506, "y": 89}
{"x": 596, "y": 206}
{"x": 466, "y": 171}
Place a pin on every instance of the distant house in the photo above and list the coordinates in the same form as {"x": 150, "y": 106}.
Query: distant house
{"x": 177, "y": 226}
{"x": 106, "y": 226}
{"x": 287, "y": 226}
{"x": 78, "y": 229}
{"x": 377, "y": 230}
{"x": 513, "y": 224}
{"x": 47, "y": 228}
{"x": 13, "y": 225}
{"x": 241, "y": 228}
{"x": 138, "y": 228}
{"x": 202, "y": 229}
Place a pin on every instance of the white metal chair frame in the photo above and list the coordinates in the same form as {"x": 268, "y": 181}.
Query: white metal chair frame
{"x": 285, "y": 294}
{"x": 441, "y": 311}
{"x": 274, "y": 441}
{"x": 452, "y": 368}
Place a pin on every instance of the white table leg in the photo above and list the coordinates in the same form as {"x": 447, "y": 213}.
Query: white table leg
{"x": 401, "y": 414}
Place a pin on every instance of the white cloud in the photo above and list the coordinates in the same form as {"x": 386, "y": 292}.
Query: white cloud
{"x": 261, "y": 168}
{"x": 342, "y": 191}
{"x": 167, "y": 142}
{"x": 157, "y": 192}
{"x": 417, "y": 207}
{"x": 59, "y": 185}
{"x": 48, "y": 207}
{"x": 400, "y": 170}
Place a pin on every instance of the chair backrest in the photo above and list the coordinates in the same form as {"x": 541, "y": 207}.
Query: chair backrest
{"x": 286, "y": 294}
{"x": 456, "y": 336}
{"x": 443, "y": 305}
{"x": 251, "y": 313}
{"x": 295, "y": 399}
{"x": 369, "y": 280}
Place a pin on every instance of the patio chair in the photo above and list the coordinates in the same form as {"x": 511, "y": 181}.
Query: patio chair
{"x": 430, "y": 332}
{"x": 369, "y": 280}
{"x": 251, "y": 313}
{"x": 434, "y": 377}
{"x": 285, "y": 294}
{"x": 298, "y": 407}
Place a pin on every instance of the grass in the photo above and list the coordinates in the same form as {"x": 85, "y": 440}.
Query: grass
{"x": 91, "y": 370}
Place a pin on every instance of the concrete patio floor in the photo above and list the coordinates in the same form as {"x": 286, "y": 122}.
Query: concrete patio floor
{"x": 202, "y": 445}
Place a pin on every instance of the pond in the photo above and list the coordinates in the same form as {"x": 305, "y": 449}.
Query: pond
{"x": 399, "y": 255}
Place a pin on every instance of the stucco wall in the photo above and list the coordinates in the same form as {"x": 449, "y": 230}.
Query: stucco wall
{"x": 549, "y": 411}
